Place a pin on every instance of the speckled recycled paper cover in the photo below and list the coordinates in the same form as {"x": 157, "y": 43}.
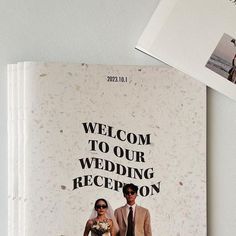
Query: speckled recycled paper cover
{"x": 91, "y": 128}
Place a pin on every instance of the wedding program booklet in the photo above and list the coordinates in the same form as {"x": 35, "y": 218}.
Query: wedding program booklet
{"x": 196, "y": 37}
{"x": 12, "y": 151}
{"x": 84, "y": 131}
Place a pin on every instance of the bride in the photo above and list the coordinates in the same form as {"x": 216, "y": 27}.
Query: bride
{"x": 102, "y": 221}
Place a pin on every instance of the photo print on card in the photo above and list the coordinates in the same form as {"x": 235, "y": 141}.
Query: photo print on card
{"x": 223, "y": 59}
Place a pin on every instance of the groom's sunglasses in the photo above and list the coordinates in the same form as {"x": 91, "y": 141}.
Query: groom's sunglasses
{"x": 101, "y": 206}
{"x": 129, "y": 192}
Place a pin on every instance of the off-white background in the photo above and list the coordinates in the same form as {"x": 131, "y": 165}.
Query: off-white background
{"x": 106, "y": 32}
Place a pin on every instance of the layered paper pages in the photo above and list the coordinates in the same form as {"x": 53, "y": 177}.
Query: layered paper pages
{"x": 83, "y": 131}
{"x": 196, "y": 37}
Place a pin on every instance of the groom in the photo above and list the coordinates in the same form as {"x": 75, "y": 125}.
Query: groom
{"x": 133, "y": 220}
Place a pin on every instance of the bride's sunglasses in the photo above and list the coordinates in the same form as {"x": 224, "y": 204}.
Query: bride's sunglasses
{"x": 101, "y": 206}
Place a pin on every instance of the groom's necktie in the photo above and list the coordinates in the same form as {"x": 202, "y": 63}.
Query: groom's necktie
{"x": 130, "y": 230}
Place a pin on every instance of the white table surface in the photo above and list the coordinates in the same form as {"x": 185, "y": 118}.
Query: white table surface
{"x": 106, "y": 32}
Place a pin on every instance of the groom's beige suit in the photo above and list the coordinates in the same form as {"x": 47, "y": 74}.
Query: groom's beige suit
{"x": 142, "y": 224}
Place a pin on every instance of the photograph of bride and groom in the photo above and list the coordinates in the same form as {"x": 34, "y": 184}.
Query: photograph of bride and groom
{"x": 128, "y": 220}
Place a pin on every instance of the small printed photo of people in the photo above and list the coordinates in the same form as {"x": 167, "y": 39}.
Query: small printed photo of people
{"x": 223, "y": 59}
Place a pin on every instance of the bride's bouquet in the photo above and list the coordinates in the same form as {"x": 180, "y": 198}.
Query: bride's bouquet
{"x": 100, "y": 228}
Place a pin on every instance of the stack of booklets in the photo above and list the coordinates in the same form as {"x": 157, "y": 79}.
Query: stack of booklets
{"x": 80, "y": 132}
